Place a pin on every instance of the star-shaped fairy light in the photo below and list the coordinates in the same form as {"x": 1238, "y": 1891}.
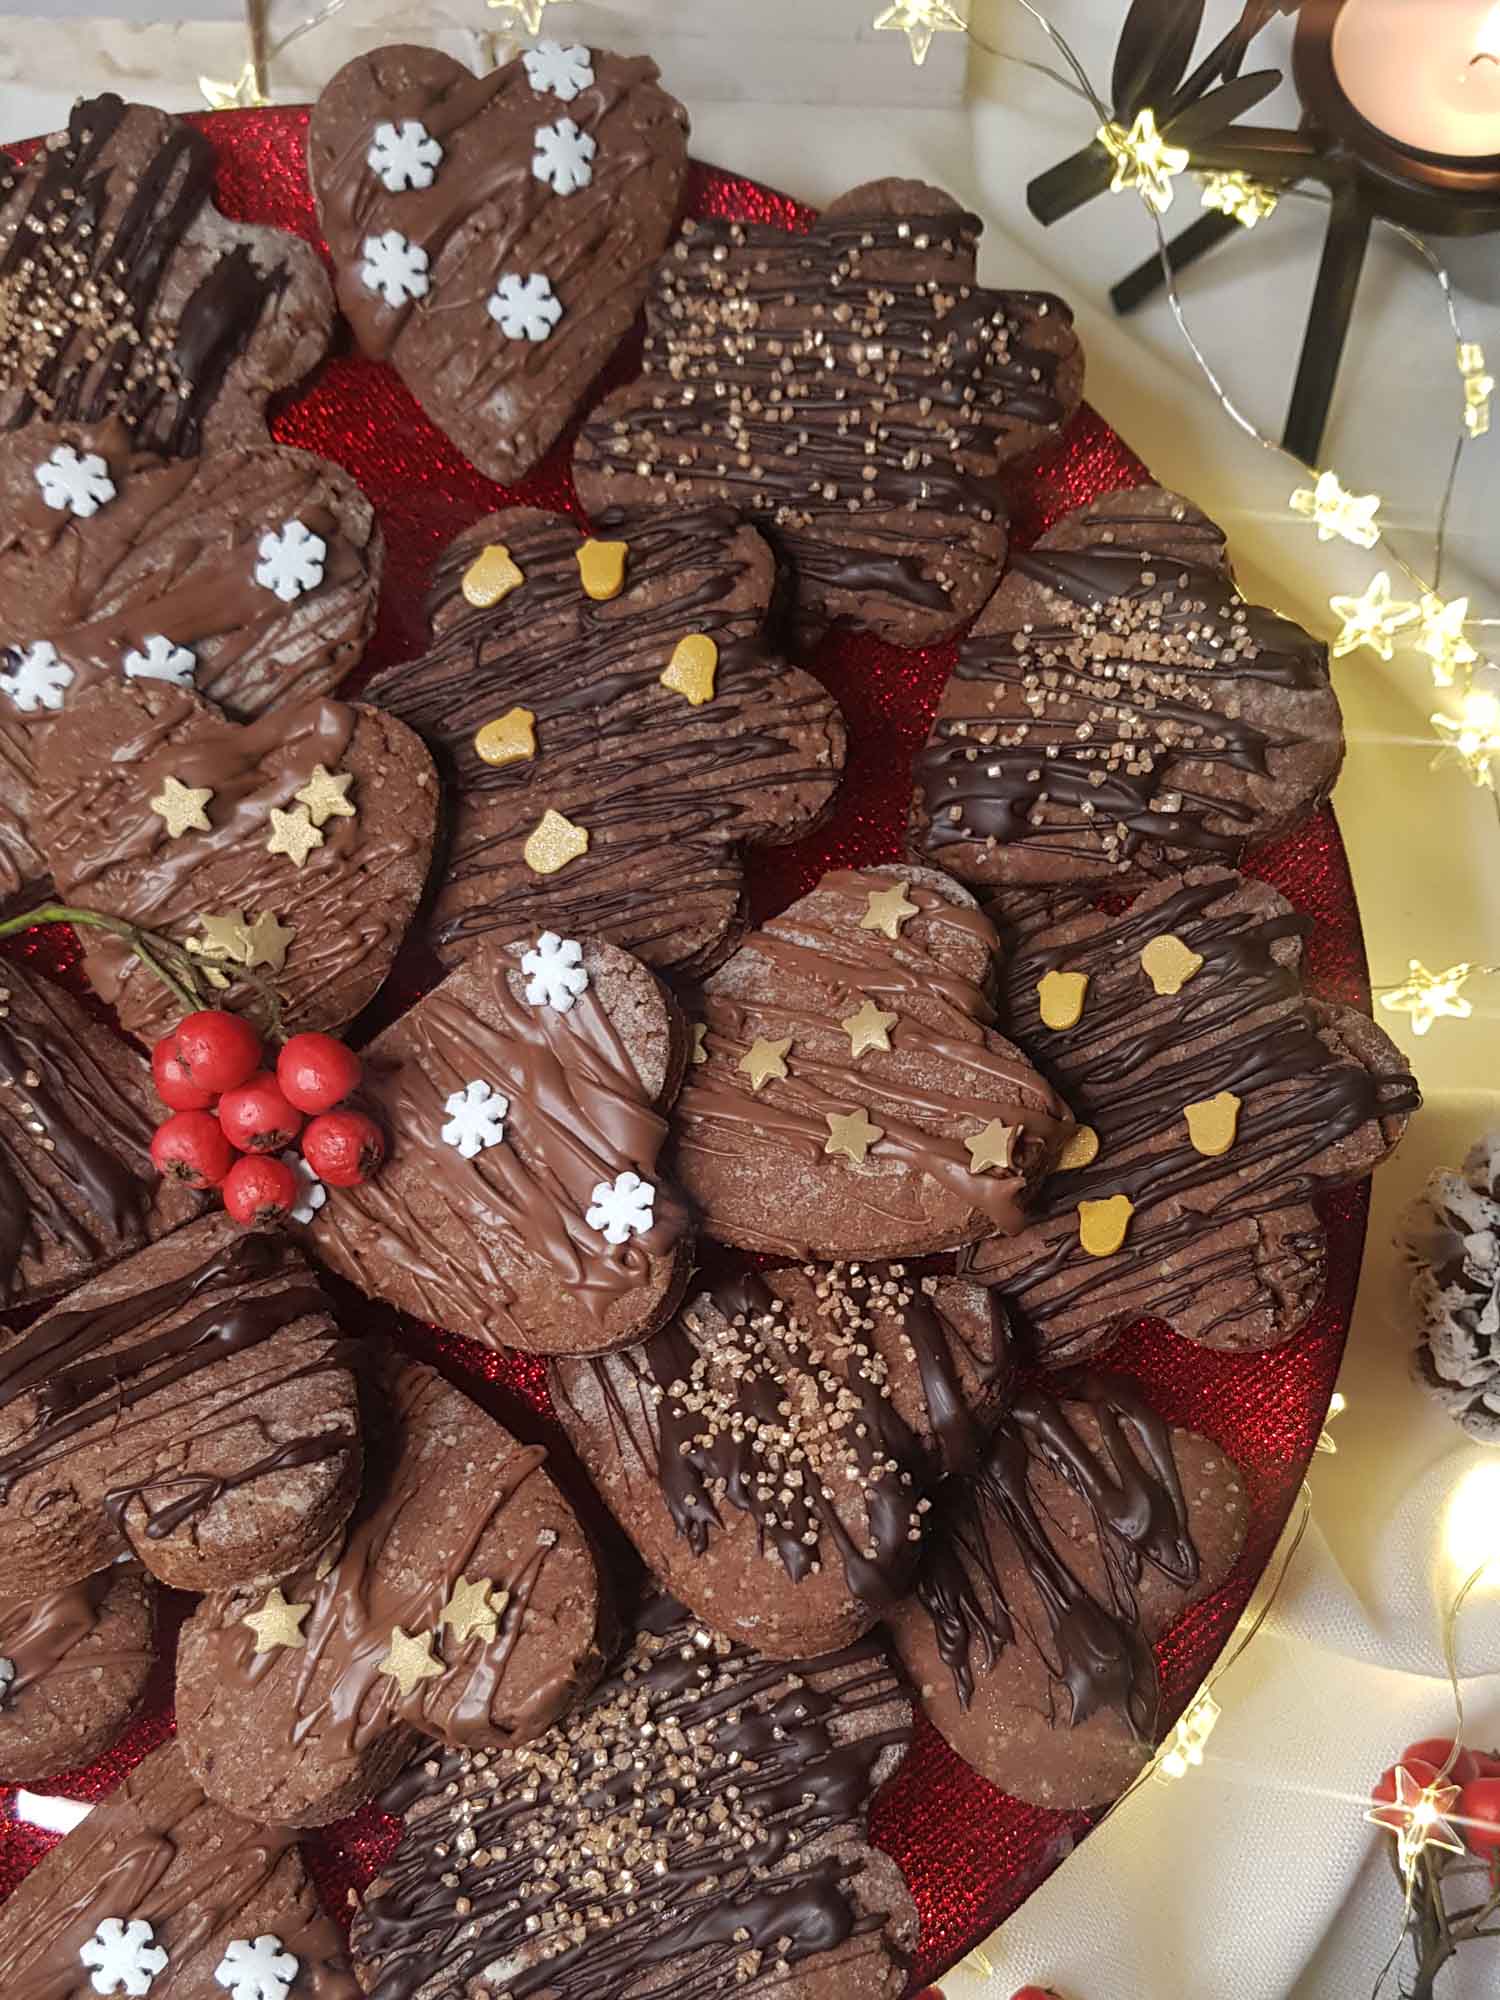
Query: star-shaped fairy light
{"x": 993, "y": 1147}
{"x": 1351, "y": 515}
{"x": 242, "y": 95}
{"x": 870, "y": 1028}
{"x": 471, "y": 1609}
{"x": 1417, "y": 1815}
{"x": 886, "y": 910}
{"x": 1236, "y": 195}
{"x": 1473, "y": 736}
{"x": 326, "y": 795}
{"x": 764, "y": 1062}
{"x": 1143, "y": 160}
{"x": 277, "y": 1623}
{"x": 1338, "y": 1402}
{"x": 1431, "y": 996}
{"x": 1184, "y": 1748}
{"x": 921, "y": 21}
{"x": 1442, "y": 637}
{"x": 409, "y": 1661}
{"x": 293, "y": 834}
{"x": 180, "y": 808}
{"x": 525, "y": 14}
{"x": 1479, "y": 387}
{"x": 851, "y": 1134}
{"x": 1371, "y": 620}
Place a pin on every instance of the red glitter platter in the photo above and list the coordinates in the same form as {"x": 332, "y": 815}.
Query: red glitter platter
{"x": 970, "y": 1854}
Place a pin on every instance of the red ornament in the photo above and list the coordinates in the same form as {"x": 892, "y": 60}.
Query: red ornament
{"x": 1478, "y": 1815}
{"x": 259, "y": 1189}
{"x": 217, "y": 1049}
{"x": 174, "y": 1086}
{"x": 257, "y": 1118}
{"x": 317, "y": 1072}
{"x": 191, "y": 1147}
{"x": 1435, "y": 1750}
{"x": 344, "y": 1148}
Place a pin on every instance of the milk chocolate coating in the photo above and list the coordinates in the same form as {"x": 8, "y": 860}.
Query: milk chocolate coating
{"x": 755, "y": 1162}
{"x": 303, "y": 1734}
{"x": 191, "y": 1406}
{"x": 854, "y": 391}
{"x": 175, "y": 554}
{"x": 1090, "y": 1527}
{"x": 135, "y": 298}
{"x": 1229, "y": 1250}
{"x": 156, "y": 1851}
{"x": 110, "y": 753}
{"x": 82, "y": 1657}
{"x": 727, "y": 1850}
{"x": 498, "y": 1246}
{"x": 771, "y": 1452}
{"x": 669, "y": 792}
{"x": 77, "y": 1111}
{"x": 487, "y": 214}
{"x": 1119, "y": 704}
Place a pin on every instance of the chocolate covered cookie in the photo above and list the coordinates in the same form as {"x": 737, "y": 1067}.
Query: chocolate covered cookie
{"x": 250, "y": 575}
{"x": 1119, "y": 702}
{"x": 854, "y": 391}
{"x": 493, "y": 235}
{"x": 1214, "y": 1100}
{"x": 614, "y": 729}
{"x": 193, "y": 1406}
{"x": 74, "y": 1664}
{"x": 771, "y": 1452}
{"x": 161, "y": 1892}
{"x": 523, "y": 1201}
{"x": 1048, "y": 1578}
{"x": 77, "y": 1187}
{"x": 697, "y": 1827}
{"x": 854, "y": 1098}
{"x": 129, "y": 295}
{"x": 305, "y": 835}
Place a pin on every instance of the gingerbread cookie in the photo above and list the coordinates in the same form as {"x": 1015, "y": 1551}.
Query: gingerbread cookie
{"x": 493, "y": 235}
{"x": 250, "y": 575}
{"x": 771, "y": 1452}
{"x": 129, "y": 295}
{"x": 854, "y": 1099}
{"x": 1048, "y": 1578}
{"x": 728, "y": 1851}
{"x": 523, "y": 1201}
{"x": 161, "y": 1892}
{"x": 852, "y": 390}
{"x": 297, "y": 844}
{"x": 77, "y": 1110}
{"x": 74, "y": 1664}
{"x": 614, "y": 690}
{"x": 1214, "y": 1102}
{"x": 1119, "y": 702}
{"x": 192, "y": 1405}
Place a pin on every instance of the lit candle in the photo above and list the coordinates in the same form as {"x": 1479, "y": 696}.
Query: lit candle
{"x": 1426, "y": 73}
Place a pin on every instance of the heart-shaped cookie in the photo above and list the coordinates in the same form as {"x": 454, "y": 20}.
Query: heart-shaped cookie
{"x": 464, "y": 1608}
{"x": 251, "y": 575}
{"x": 853, "y": 1099}
{"x": 296, "y": 845}
{"x": 191, "y": 1405}
{"x": 617, "y": 684}
{"x": 523, "y": 1201}
{"x": 493, "y": 235}
{"x": 129, "y": 295}
{"x": 1119, "y": 705}
{"x": 75, "y": 1662}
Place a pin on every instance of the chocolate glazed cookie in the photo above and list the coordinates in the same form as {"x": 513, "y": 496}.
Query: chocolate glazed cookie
{"x": 771, "y": 1451}
{"x": 1091, "y": 1525}
{"x": 74, "y": 1663}
{"x": 728, "y": 1850}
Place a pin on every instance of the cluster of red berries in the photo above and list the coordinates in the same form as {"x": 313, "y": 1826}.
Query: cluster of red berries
{"x": 232, "y": 1117}
{"x": 1476, "y": 1816}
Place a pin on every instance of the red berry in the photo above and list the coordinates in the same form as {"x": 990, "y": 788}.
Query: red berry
{"x": 1034, "y": 1993}
{"x": 218, "y": 1050}
{"x": 1479, "y": 1815}
{"x": 260, "y": 1189}
{"x": 174, "y": 1086}
{"x": 343, "y": 1148}
{"x": 257, "y": 1118}
{"x": 1488, "y": 1764}
{"x": 1435, "y": 1750}
{"x": 191, "y": 1147}
{"x": 316, "y": 1072}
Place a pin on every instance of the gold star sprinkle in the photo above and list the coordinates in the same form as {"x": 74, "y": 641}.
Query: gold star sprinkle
{"x": 277, "y": 1623}
{"x": 851, "y": 1134}
{"x": 491, "y": 577}
{"x": 268, "y": 942}
{"x": 226, "y": 936}
{"x": 509, "y": 739}
{"x": 469, "y": 1610}
{"x": 692, "y": 669}
{"x": 324, "y": 795}
{"x": 1168, "y": 963}
{"x": 1081, "y": 1150}
{"x": 993, "y": 1147}
{"x": 1372, "y": 620}
{"x": 870, "y": 1028}
{"x": 1212, "y": 1124}
{"x": 1143, "y": 160}
{"x": 1061, "y": 996}
{"x": 180, "y": 808}
{"x": 1351, "y": 515}
{"x": 1442, "y": 637}
{"x": 698, "y": 1054}
{"x": 601, "y": 569}
{"x": 553, "y": 843}
{"x": 1235, "y": 194}
{"x": 1431, "y": 996}
{"x": 765, "y": 1061}
{"x": 409, "y": 1661}
{"x": 1102, "y": 1224}
{"x": 887, "y": 910}
{"x": 293, "y": 834}
{"x": 921, "y": 21}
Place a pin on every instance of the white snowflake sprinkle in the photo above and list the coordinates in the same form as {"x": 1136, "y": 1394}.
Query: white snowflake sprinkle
{"x": 7, "y": 1675}
{"x": 562, "y": 71}
{"x": 258, "y": 1971}
{"x": 82, "y": 485}
{"x": 160, "y": 660}
{"x": 476, "y": 1119}
{"x": 123, "y": 1958}
{"x": 564, "y": 156}
{"x": 38, "y": 679}
{"x": 395, "y": 267}
{"x": 311, "y": 1193}
{"x": 404, "y": 155}
{"x": 623, "y": 1207}
{"x": 291, "y": 560}
{"x": 554, "y": 970}
{"x": 525, "y": 308}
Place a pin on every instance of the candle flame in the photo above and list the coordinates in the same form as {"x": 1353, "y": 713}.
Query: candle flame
{"x": 1487, "y": 41}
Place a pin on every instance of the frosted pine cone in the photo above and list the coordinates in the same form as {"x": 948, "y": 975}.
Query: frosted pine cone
{"x": 1452, "y": 1236}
